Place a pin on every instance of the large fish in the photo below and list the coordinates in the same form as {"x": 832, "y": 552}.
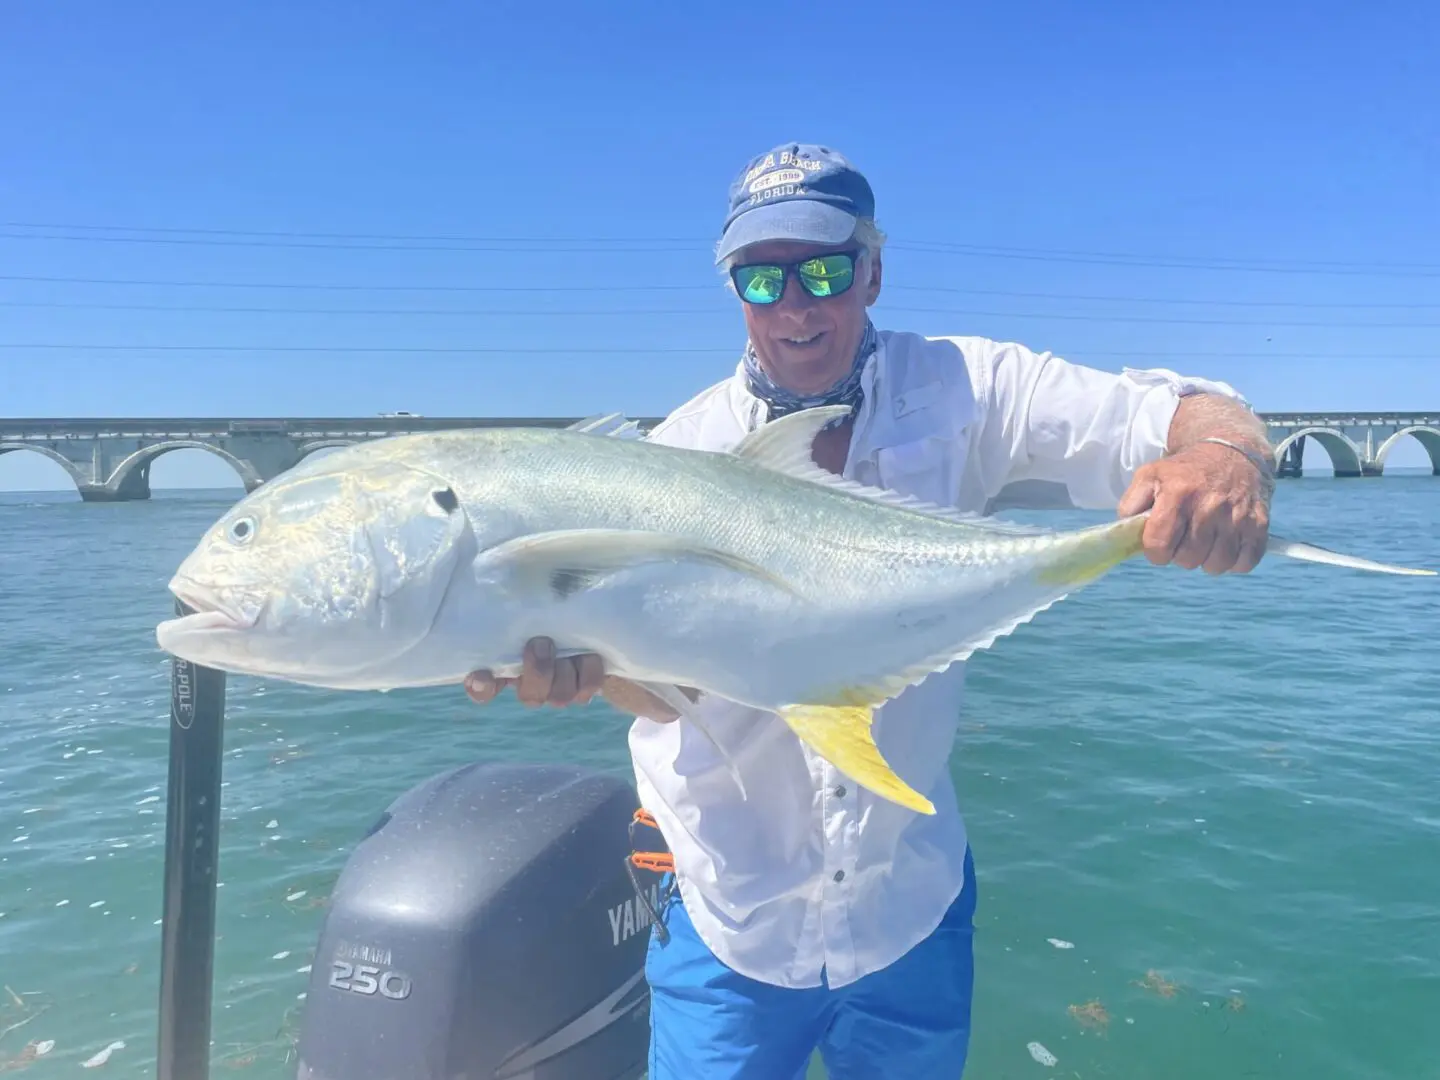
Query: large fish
{"x": 752, "y": 575}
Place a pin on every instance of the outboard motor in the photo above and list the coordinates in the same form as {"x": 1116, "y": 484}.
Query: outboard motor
{"x": 486, "y": 927}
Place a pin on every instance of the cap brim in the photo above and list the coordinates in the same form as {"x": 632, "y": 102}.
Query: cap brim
{"x": 804, "y": 220}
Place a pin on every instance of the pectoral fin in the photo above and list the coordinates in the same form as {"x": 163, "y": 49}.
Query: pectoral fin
{"x": 841, "y": 734}
{"x": 568, "y": 561}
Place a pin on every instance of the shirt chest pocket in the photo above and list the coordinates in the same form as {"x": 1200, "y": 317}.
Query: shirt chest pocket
{"x": 923, "y": 468}
{"x": 920, "y": 443}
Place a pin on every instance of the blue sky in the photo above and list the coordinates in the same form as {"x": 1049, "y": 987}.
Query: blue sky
{"x": 1123, "y": 184}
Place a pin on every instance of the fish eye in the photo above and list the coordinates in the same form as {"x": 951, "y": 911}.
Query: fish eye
{"x": 241, "y": 530}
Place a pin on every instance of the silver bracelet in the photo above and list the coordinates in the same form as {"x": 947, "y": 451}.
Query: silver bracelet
{"x": 1267, "y": 468}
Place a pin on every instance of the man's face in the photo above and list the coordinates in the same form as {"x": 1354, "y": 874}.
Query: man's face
{"x": 807, "y": 343}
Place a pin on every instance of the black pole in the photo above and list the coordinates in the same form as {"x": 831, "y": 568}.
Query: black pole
{"x": 192, "y": 849}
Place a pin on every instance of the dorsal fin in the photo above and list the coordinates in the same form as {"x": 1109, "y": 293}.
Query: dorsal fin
{"x": 784, "y": 445}
{"x": 611, "y": 425}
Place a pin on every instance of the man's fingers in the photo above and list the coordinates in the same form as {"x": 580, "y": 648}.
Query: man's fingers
{"x": 1225, "y": 550}
{"x": 1199, "y": 540}
{"x": 1164, "y": 532}
{"x": 592, "y": 675}
{"x": 1251, "y": 551}
{"x": 1254, "y": 533}
{"x": 481, "y": 687}
{"x": 636, "y": 700}
{"x": 537, "y": 672}
{"x": 566, "y": 682}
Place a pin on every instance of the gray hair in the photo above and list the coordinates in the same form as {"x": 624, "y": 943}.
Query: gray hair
{"x": 868, "y": 235}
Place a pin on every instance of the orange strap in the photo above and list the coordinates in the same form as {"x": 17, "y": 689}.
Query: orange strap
{"x": 661, "y": 862}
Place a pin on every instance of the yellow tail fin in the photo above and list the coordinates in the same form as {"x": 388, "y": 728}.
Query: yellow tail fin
{"x": 841, "y": 735}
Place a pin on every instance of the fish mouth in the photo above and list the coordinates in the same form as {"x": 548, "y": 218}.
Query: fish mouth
{"x": 207, "y": 609}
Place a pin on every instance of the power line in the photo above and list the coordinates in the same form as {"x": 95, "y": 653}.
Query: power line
{"x": 937, "y": 245}
{"x": 650, "y": 312}
{"x": 289, "y": 286}
{"x": 599, "y": 245}
{"x": 207, "y": 241}
{"x": 441, "y": 349}
{"x": 1184, "y": 261}
{"x": 668, "y": 350}
{"x": 298, "y": 234}
{"x": 170, "y": 283}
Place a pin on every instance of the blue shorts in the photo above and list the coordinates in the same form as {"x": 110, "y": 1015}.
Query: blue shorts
{"x": 911, "y": 1019}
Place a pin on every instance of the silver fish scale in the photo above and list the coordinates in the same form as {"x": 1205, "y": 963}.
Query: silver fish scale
{"x": 810, "y": 535}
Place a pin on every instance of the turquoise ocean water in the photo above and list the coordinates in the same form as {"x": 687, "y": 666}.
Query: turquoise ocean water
{"x": 1206, "y": 813}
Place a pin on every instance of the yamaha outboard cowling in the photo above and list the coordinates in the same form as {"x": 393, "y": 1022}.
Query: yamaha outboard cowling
{"x": 479, "y": 931}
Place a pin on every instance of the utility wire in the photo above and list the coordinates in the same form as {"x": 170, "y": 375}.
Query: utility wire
{"x": 491, "y": 246}
{"x": 1351, "y": 358}
{"x": 173, "y": 283}
{"x": 595, "y": 245}
{"x": 296, "y": 286}
{"x": 649, "y": 312}
{"x": 917, "y": 245}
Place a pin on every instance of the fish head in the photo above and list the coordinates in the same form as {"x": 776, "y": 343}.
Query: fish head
{"x": 316, "y": 575}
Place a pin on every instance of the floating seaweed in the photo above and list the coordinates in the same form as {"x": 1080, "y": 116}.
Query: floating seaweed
{"x": 1092, "y": 1015}
{"x": 1157, "y": 983}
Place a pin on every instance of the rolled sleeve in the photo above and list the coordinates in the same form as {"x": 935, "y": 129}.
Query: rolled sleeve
{"x": 1054, "y": 421}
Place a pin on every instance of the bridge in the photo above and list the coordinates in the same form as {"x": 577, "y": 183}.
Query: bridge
{"x": 1357, "y": 443}
{"x": 109, "y": 459}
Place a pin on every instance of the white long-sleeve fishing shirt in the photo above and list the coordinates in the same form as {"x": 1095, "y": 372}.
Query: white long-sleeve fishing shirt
{"x": 813, "y": 872}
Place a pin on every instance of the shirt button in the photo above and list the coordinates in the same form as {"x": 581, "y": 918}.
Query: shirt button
{"x": 839, "y": 875}
{"x": 840, "y": 792}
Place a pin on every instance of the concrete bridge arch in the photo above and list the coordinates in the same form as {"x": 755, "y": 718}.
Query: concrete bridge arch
{"x": 1426, "y": 436}
{"x": 65, "y": 463}
{"x": 133, "y": 472}
{"x": 1345, "y": 456}
{"x": 309, "y": 448}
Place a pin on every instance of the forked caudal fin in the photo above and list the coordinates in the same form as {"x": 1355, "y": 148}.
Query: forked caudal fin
{"x": 1294, "y": 549}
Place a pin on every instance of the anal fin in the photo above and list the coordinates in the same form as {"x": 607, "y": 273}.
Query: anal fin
{"x": 676, "y": 699}
{"x": 841, "y": 734}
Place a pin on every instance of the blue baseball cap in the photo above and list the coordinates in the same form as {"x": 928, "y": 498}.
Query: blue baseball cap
{"x": 797, "y": 191}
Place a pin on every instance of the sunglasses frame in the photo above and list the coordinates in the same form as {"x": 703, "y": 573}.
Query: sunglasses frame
{"x": 792, "y": 269}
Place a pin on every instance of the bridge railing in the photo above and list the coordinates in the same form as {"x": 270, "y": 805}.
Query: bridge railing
{"x": 36, "y": 428}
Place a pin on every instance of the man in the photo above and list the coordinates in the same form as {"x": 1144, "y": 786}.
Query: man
{"x": 815, "y": 914}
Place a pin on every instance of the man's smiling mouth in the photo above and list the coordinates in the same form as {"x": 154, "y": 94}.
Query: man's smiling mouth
{"x": 806, "y": 340}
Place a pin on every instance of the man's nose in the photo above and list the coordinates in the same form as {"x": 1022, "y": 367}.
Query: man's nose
{"x": 796, "y": 300}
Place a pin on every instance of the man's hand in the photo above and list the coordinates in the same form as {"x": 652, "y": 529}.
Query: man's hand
{"x": 544, "y": 680}
{"x": 1210, "y": 504}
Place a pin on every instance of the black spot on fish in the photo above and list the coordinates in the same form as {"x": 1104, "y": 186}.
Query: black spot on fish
{"x": 446, "y": 499}
{"x": 565, "y": 583}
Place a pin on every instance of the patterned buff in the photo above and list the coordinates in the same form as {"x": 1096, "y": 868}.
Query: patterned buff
{"x": 781, "y": 402}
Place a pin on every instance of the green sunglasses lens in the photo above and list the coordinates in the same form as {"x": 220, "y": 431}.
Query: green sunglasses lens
{"x": 828, "y": 275}
{"x": 822, "y": 276}
{"x": 761, "y": 284}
